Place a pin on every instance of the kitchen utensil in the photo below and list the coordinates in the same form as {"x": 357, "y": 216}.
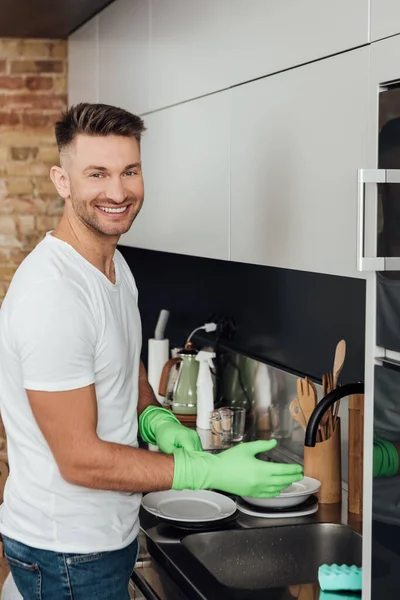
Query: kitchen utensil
{"x": 178, "y": 383}
{"x": 229, "y": 423}
{"x": 202, "y": 526}
{"x": 297, "y": 413}
{"x": 294, "y": 495}
{"x": 309, "y": 507}
{"x": 340, "y": 356}
{"x": 307, "y": 397}
{"x": 323, "y": 462}
{"x": 189, "y": 506}
{"x": 356, "y": 453}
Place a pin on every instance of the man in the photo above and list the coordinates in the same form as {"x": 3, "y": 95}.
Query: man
{"x": 72, "y": 385}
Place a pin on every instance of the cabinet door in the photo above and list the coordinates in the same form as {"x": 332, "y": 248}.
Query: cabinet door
{"x": 385, "y": 18}
{"x": 297, "y": 141}
{"x": 188, "y": 50}
{"x": 83, "y": 64}
{"x": 268, "y": 36}
{"x": 124, "y": 55}
{"x": 186, "y": 170}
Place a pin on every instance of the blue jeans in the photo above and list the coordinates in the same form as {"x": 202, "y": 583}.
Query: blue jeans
{"x": 47, "y": 575}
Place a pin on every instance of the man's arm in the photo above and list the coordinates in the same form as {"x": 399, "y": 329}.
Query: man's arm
{"x": 146, "y": 394}
{"x": 68, "y": 421}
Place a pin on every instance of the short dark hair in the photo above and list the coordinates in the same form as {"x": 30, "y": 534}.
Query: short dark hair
{"x": 97, "y": 120}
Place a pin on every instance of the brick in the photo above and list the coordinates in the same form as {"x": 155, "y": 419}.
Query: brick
{"x": 7, "y": 225}
{"x": 28, "y": 205}
{"x": 5, "y": 256}
{"x": 33, "y": 119}
{"x": 4, "y": 153}
{"x": 10, "y": 82}
{"x": 36, "y": 66}
{"x": 49, "y": 155}
{"x": 10, "y": 241}
{"x": 60, "y": 84}
{"x": 34, "y": 168}
{"x": 24, "y": 152}
{"x": 6, "y": 206}
{"x": 35, "y": 48}
{"x": 38, "y": 82}
{"x": 20, "y": 187}
{"x": 6, "y": 273}
{"x": 3, "y": 65}
{"x": 9, "y": 118}
{"x": 3, "y": 190}
{"x": 26, "y": 225}
{"x": 44, "y": 101}
{"x": 10, "y": 48}
{"x": 45, "y": 187}
{"x": 31, "y": 138}
{"x": 46, "y": 223}
{"x": 59, "y": 49}
{"x": 17, "y": 255}
{"x": 55, "y": 207}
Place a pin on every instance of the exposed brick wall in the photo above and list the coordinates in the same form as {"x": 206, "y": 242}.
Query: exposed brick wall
{"x": 33, "y": 91}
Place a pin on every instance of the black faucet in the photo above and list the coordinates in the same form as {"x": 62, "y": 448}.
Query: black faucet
{"x": 341, "y": 392}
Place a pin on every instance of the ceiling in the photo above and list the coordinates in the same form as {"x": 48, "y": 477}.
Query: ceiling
{"x": 46, "y": 18}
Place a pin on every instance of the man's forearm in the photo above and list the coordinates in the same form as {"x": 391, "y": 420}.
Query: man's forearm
{"x": 108, "y": 466}
{"x": 146, "y": 394}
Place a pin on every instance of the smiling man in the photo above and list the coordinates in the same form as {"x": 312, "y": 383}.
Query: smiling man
{"x": 73, "y": 391}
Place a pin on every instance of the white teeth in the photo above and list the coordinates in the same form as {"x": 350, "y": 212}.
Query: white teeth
{"x": 113, "y": 210}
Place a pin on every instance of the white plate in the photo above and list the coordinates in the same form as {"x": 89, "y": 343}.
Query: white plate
{"x": 189, "y": 506}
{"x": 291, "y": 496}
{"x": 295, "y": 513}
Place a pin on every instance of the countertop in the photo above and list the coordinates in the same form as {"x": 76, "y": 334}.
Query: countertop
{"x": 168, "y": 573}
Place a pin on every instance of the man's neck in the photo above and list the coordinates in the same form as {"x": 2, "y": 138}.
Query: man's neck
{"x": 97, "y": 249}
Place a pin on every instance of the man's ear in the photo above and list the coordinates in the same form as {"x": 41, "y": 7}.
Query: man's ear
{"x": 61, "y": 181}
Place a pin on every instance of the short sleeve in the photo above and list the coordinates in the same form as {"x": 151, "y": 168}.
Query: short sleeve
{"x": 54, "y": 337}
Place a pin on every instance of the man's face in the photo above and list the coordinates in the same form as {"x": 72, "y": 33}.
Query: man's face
{"x": 106, "y": 183}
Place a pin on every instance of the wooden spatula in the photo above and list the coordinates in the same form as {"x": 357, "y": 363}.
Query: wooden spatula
{"x": 307, "y": 397}
{"x": 297, "y": 414}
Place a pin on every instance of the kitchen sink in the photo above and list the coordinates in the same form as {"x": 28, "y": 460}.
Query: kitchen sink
{"x": 259, "y": 559}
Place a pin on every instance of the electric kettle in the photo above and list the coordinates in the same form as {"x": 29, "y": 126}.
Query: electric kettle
{"x": 178, "y": 382}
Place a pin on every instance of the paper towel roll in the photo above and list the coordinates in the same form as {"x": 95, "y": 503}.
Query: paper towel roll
{"x": 158, "y": 355}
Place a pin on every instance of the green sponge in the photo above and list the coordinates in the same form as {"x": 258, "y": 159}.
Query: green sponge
{"x": 339, "y": 596}
{"x": 335, "y": 578}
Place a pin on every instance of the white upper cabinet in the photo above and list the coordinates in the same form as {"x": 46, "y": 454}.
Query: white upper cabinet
{"x": 189, "y": 43}
{"x": 202, "y": 47}
{"x": 297, "y": 140}
{"x": 124, "y": 55}
{"x": 83, "y": 64}
{"x": 185, "y": 155}
{"x": 269, "y": 35}
{"x": 385, "y": 18}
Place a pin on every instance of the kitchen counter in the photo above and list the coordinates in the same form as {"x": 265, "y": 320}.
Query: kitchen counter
{"x": 170, "y": 572}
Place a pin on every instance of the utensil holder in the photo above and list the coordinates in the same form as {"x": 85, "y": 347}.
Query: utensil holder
{"x": 323, "y": 462}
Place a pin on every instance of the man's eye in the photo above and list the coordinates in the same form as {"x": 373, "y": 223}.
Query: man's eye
{"x": 97, "y": 175}
{"x": 130, "y": 173}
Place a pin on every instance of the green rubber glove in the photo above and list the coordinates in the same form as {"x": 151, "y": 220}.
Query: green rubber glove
{"x": 161, "y": 428}
{"x": 386, "y": 458}
{"x": 236, "y": 471}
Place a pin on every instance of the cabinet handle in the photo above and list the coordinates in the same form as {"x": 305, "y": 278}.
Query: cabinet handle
{"x": 373, "y": 263}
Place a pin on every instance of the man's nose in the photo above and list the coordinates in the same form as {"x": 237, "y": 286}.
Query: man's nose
{"x": 115, "y": 190}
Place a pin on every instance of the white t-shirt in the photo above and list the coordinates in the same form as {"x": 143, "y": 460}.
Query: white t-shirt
{"x": 64, "y": 325}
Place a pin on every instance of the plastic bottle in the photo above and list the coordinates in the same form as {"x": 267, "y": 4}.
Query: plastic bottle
{"x": 205, "y": 389}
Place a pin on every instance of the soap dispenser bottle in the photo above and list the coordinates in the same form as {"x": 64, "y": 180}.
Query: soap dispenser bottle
{"x": 205, "y": 389}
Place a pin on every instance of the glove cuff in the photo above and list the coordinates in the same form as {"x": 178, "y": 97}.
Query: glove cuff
{"x": 386, "y": 458}
{"x": 193, "y": 470}
{"x": 151, "y": 418}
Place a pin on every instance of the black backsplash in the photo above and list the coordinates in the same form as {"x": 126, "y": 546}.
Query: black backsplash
{"x": 291, "y": 319}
